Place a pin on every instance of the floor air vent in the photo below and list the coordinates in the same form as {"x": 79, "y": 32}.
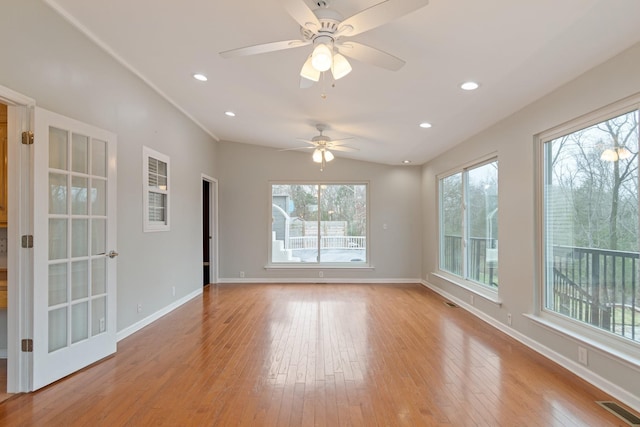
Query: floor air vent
{"x": 620, "y": 412}
{"x": 450, "y": 304}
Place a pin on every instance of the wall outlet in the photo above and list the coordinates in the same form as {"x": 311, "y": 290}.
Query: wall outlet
{"x": 509, "y": 319}
{"x": 320, "y": 274}
{"x": 139, "y": 308}
{"x": 583, "y": 356}
{"x": 242, "y": 274}
{"x": 471, "y": 299}
{"x": 173, "y": 291}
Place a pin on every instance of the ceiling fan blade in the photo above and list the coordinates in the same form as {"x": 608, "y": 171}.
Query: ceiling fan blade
{"x": 305, "y": 83}
{"x": 302, "y": 14}
{"x": 370, "y": 55}
{"x": 307, "y": 141}
{"x": 263, "y": 48}
{"x": 296, "y": 148}
{"x": 380, "y": 14}
{"x": 337, "y": 142}
{"x": 343, "y": 148}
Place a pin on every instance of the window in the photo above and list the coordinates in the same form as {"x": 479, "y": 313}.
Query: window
{"x": 590, "y": 225}
{"x": 469, "y": 224}
{"x": 319, "y": 224}
{"x": 156, "y": 190}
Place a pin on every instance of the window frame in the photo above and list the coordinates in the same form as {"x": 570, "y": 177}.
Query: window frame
{"x": 366, "y": 264}
{"x": 463, "y": 281}
{"x": 622, "y": 349}
{"x": 147, "y": 224}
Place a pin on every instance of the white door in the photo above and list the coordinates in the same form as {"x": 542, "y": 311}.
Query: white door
{"x": 74, "y": 242}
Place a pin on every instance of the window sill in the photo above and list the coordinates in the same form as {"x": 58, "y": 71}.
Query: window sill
{"x": 608, "y": 345}
{"x": 309, "y": 266}
{"x": 479, "y": 290}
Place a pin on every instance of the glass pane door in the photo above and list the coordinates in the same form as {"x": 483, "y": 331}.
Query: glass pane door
{"x": 74, "y": 232}
{"x": 77, "y": 217}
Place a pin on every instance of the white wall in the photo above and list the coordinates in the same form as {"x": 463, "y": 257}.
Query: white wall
{"x": 45, "y": 58}
{"x": 245, "y": 213}
{"x": 513, "y": 140}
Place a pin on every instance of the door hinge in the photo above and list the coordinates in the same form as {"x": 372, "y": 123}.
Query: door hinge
{"x": 27, "y": 137}
{"x": 27, "y": 241}
{"x": 27, "y": 345}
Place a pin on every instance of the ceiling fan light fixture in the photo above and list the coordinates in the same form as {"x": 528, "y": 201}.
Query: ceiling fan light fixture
{"x": 309, "y": 72}
{"x": 328, "y": 155}
{"x": 321, "y": 58}
{"x": 317, "y": 156}
{"x": 340, "y": 66}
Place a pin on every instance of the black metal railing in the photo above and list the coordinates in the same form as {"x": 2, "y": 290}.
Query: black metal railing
{"x": 482, "y": 264}
{"x": 597, "y": 286}
{"x": 594, "y": 286}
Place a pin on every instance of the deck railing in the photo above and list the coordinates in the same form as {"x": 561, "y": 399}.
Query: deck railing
{"x": 328, "y": 242}
{"x": 597, "y": 286}
{"x": 594, "y": 286}
{"x": 483, "y": 262}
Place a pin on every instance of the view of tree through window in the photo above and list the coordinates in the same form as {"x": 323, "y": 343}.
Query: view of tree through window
{"x": 319, "y": 223}
{"x": 591, "y": 225}
{"x": 474, "y": 228}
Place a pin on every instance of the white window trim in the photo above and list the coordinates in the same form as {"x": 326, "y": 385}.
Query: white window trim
{"x": 366, "y": 264}
{"x": 152, "y": 226}
{"x": 621, "y": 348}
{"x": 483, "y": 291}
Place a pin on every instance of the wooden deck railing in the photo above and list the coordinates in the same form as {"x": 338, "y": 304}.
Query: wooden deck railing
{"x": 328, "y": 242}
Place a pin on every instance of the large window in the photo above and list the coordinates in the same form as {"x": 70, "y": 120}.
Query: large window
{"x": 469, "y": 224}
{"x": 590, "y": 226}
{"x": 319, "y": 223}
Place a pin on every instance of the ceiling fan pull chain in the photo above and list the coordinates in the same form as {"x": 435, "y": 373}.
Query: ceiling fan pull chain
{"x": 323, "y": 94}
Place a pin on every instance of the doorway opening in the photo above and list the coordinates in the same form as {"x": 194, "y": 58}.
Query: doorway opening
{"x": 206, "y": 234}
{"x": 209, "y": 231}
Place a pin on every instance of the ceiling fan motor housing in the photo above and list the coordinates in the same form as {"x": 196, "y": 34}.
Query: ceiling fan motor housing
{"x": 329, "y": 23}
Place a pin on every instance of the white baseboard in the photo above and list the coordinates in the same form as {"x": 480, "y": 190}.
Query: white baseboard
{"x": 3, "y": 353}
{"x": 605, "y": 385}
{"x": 320, "y": 280}
{"x": 155, "y": 316}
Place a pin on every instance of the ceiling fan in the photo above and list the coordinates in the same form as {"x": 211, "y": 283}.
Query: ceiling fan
{"x": 322, "y": 145}
{"x": 328, "y": 32}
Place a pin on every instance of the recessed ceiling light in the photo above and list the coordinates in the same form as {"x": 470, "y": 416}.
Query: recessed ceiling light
{"x": 200, "y": 77}
{"x": 406, "y": 162}
{"x": 469, "y": 86}
{"x": 425, "y": 125}
{"x": 230, "y": 113}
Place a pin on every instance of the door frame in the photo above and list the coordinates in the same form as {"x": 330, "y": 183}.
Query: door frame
{"x": 20, "y": 222}
{"x": 213, "y": 226}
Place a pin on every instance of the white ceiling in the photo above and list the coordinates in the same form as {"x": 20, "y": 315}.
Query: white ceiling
{"x": 517, "y": 50}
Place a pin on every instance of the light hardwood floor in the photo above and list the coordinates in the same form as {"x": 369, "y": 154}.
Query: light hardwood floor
{"x": 325, "y": 355}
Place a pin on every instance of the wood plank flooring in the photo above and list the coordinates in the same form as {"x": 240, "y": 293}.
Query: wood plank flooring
{"x": 323, "y": 355}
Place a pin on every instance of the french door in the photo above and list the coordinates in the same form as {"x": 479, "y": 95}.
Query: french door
{"x": 74, "y": 243}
